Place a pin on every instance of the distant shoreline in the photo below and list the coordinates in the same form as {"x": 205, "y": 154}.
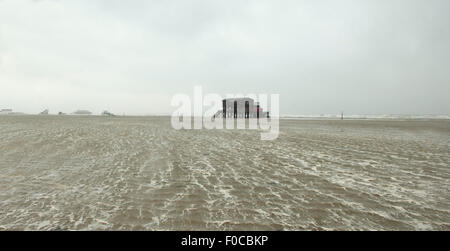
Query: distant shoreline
{"x": 290, "y": 117}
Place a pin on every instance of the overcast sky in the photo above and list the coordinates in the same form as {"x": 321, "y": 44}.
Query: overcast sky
{"x": 322, "y": 57}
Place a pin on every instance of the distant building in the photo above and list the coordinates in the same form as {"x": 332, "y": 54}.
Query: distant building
{"x": 106, "y": 113}
{"x": 82, "y": 112}
{"x": 6, "y": 111}
{"x": 45, "y": 112}
{"x": 241, "y": 108}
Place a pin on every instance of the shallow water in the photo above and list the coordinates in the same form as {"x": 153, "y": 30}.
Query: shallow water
{"x": 125, "y": 173}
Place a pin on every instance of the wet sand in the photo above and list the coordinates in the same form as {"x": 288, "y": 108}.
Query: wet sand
{"x": 137, "y": 173}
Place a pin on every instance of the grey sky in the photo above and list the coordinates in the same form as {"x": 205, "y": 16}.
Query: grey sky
{"x": 361, "y": 56}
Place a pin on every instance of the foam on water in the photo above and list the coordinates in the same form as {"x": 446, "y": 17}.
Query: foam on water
{"x": 138, "y": 173}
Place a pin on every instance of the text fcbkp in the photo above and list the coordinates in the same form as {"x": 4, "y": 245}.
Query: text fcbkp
{"x": 229, "y": 240}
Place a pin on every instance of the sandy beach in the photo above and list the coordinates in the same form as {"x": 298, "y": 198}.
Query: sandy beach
{"x": 137, "y": 173}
